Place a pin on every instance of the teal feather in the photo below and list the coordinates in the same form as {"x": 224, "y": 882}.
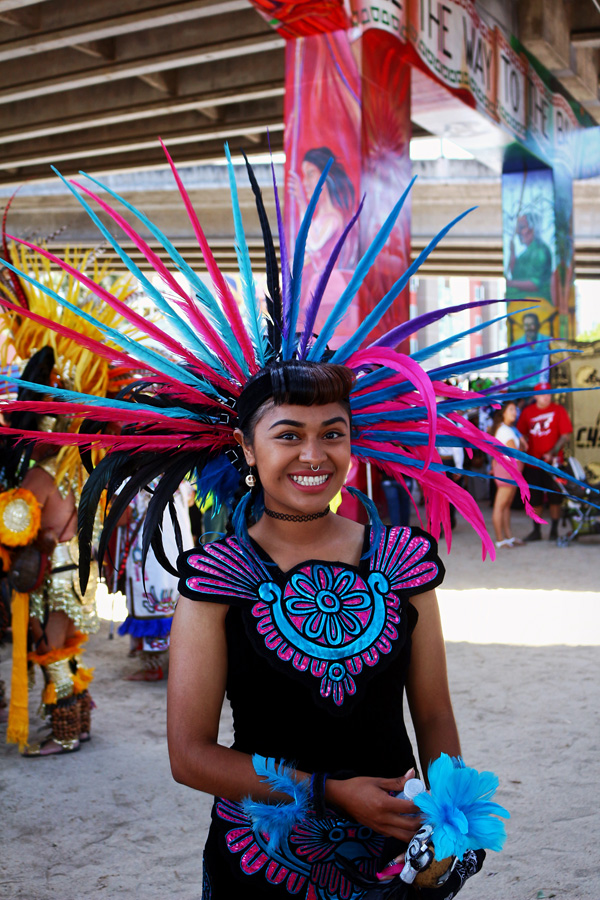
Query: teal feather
{"x": 377, "y": 313}
{"x": 343, "y": 303}
{"x": 253, "y": 313}
{"x": 212, "y": 308}
{"x": 179, "y": 324}
{"x": 173, "y": 412}
{"x": 290, "y": 342}
{"x": 460, "y": 810}
{"x": 135, "y": 348}
{"x": 276, "y": 820}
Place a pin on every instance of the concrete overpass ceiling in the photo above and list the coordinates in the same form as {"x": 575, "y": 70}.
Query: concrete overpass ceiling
{"x": 91, "y": 85}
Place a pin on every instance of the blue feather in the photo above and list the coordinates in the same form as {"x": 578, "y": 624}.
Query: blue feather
{"x": 135, "y": 348}
{"x": 374, "y": 519}
{"x": 376, "y": 314}
{"x": 179, "y": 324}
{"x": 238, "y": 521}
{"x": 460, "y": 810}
{"x": 253, "y": 313}
{"x": 290, "y": 341}
{"x": 359, "y": 275}
{"x": 212, "y": 307}
{"x": 316, "y": 299}
{"x": 276, "y": 820}
{"x": 219, "y": 478}
{"x": 432, "y": 349}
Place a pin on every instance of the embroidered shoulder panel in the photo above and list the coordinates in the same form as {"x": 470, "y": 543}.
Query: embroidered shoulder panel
{"x": 323, "y": 622}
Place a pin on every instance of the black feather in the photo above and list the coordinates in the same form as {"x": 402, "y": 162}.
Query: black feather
{"x": 163, "y": 494}
{"x": 138, "y": 479}
{"x": 88, "y": 505}
{"x": 274, "y": 307}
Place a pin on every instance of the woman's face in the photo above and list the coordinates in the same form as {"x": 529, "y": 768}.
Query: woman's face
{"x": 510, "y": 414}
{"x": 310, "y": 177}
{"x": 288, "y": 440}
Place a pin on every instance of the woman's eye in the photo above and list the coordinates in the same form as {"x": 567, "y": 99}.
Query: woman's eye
{"x": 287, "y": 436}
{"x": 331, "y": 435}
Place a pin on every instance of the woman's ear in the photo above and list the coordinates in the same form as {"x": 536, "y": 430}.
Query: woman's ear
{"x": 248, "y": 453}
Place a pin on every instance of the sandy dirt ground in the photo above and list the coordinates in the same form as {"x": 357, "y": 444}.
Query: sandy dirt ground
{"x": 523, "y": 651}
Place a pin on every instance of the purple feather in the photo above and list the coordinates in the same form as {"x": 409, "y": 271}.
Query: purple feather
{"x": 400, "y": 332}
{"x": 315, "y": 302}
{"x": 286, "y": 275}
{"x": 540, "y": 372}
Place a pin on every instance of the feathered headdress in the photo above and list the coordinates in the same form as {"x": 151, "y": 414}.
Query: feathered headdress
{"x": 39, "y": 306}
{"x": 180, "y": 421}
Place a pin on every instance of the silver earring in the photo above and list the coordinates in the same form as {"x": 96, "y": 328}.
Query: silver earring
{"x": 315, "y": 468}
{"x": 250, "y": 479}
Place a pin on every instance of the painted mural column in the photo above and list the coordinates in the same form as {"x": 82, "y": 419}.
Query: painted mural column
{"x": 348, "y": 97}
{"x": 537, "y": 209}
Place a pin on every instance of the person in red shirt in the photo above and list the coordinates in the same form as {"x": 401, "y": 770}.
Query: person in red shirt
{"x": 546, "y": 427}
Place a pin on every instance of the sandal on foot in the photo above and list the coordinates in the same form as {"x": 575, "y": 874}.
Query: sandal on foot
{"x": 506, "y": 543}
{"x": 36, "y": 751}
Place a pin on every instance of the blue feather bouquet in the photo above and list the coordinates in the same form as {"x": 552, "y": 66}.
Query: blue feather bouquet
{"x": 460, "y": 809}
{"x": 276, "y": 820}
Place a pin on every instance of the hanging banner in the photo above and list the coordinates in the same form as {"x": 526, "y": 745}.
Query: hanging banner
{"x": 512, "y": 87}
{"x": 301, "y": 18}
{"x": 386, "y": 171}
{"x": 450, "y": 41}
{"x": 458, "y": 47}
{"x": 323, "y": 120}
{"x": 582, "y": 370}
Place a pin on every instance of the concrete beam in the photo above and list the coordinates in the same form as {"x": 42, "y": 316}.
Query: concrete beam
{"x": 191, "y": 153}
{"x": 111, "y": 26}
{"x": 93, "y": 118}
{"x": 544, "y": 29}
{"x": 118, "y": 71}
{"x": 7, "y": 5}
{"x": 242, "y": 119}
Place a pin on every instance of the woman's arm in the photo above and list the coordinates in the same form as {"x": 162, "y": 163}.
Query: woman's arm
{"x": 427, "y": 685}
{"x": 196, "y": 688}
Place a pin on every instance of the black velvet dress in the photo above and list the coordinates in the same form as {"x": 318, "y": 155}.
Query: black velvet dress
{"x": 318, "y": 658}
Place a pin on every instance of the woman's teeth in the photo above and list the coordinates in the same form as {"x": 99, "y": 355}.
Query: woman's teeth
{"x": 309, "y": 480}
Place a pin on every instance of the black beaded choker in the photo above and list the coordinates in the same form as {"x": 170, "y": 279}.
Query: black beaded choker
{"x": 292, "y": 518}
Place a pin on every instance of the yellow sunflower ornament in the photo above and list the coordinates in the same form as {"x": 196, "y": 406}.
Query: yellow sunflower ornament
{"x": 20, "y": 517}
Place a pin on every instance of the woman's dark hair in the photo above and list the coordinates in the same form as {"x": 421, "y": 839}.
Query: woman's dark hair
{"x": 499, "y": 416}
{"x": 299, "y": 382}
{"x": 341, "y": 189}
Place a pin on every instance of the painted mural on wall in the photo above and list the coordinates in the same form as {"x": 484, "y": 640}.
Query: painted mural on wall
{"x": 322, "y": 120}
{"x": 529, "y": 254}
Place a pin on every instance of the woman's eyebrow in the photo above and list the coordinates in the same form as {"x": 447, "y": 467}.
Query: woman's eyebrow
{"x": 286, "y": 422}
{"x": 295, "y": 424}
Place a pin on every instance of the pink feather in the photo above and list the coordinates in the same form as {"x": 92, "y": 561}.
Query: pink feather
{"x": 410, "y": 371}
{"x": 192, "y": 395}
{"x": 130, "y": 315}
{"x": 230, "y": 306}
{"x": 197, "y": 320}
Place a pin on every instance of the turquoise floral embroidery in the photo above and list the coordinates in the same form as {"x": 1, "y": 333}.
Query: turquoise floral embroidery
{"x": 329, "y": 606}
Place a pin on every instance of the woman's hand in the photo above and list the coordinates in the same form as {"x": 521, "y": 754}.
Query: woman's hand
{"x": 369, "y": 801}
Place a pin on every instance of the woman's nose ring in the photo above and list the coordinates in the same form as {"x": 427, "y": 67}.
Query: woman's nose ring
{"x": 315, "y": 468}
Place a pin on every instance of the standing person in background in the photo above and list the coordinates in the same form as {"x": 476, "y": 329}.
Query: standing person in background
{"x": 504, "y": 430}
{"x": 151, "y": 591}
{"x": 546, "y": 427}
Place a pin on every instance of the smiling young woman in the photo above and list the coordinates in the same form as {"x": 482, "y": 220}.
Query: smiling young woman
{"x": 314, "y": 626}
